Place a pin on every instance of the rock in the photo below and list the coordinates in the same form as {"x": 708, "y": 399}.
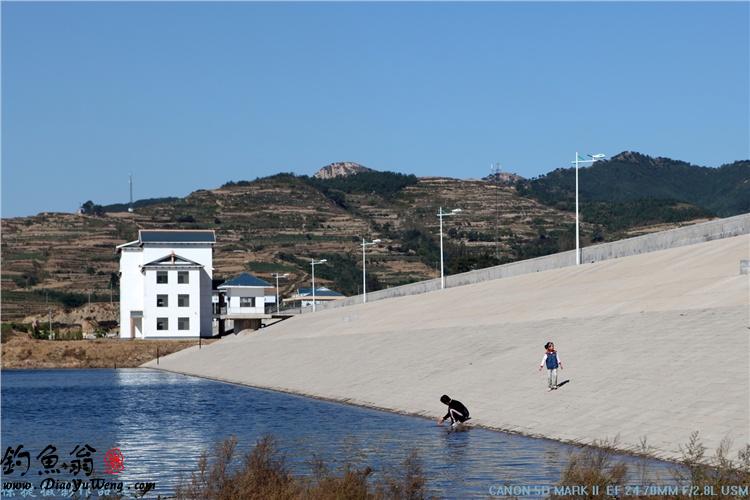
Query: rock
{"x": 340, "y": 169}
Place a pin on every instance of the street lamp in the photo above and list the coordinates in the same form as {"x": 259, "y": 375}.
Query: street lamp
{"x": 440, "y": 215}
{"x": 277, "y": 276}
{"x": 594, "y": 158}
{"x": 364, "y": 280}
{"x": 495, "y": 175}
{"x": 314, "y": 263}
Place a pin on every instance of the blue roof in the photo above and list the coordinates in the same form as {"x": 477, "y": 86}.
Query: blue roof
{"x": 187, "y": 236}
{"x": 244, "y": 279}
{"x": 319, "y": 292}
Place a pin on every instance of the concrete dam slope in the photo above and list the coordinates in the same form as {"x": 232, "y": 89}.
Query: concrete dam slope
{"x": 654, "y": 345}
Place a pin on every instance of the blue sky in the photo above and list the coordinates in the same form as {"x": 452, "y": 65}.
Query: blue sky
{"x": 191, "y": 95}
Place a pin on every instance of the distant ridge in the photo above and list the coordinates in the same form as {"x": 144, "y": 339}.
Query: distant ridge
{"x": 340, "y": 169}
{"x": 629, "y": 177}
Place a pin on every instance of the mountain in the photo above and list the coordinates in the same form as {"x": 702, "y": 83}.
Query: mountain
{"x": 278, "y": 223}
{"x": 340, "y": 169}
{"x": 630, "y": 176}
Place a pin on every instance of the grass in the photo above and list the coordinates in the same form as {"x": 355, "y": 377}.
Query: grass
{"x": 262, "y": 474}
{"x": 24, "y": 256}
{"x": 697, "y": 475}
{"x": 271, "y": 267}
{"x": 22, "y": 351}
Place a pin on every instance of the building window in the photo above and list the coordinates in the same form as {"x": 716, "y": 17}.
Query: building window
{"x": 183, "y": 277}
{"x": 247, "y": 301}
{"x": 161, "y": 277}
{"x": 162, "y": 323}
{"x": 183, "y": 323}
{"x": 162, "y": 300}
{"x": 183, "y": 300}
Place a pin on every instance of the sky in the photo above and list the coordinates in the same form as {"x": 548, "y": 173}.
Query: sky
{"x": 188, "y": 96}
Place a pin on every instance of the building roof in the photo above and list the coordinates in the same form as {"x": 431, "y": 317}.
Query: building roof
{"x": 245, "y": 279}
{"x": 319, "y": 292}
{"x": 176, "y": 236}
{"x": 129, "y": 244}
{"x": 173, "y": 260}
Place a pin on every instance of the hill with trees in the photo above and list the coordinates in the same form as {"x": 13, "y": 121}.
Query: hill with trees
{"x": 278, "y": 223}
{"x": 629, "y": 180}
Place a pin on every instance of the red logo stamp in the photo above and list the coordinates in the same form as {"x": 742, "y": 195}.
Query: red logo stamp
{"x": 114, "y": 462}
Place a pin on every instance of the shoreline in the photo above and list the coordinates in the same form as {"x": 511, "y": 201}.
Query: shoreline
{"x": 617, "y": 324}
{"x": 350, "y": 402}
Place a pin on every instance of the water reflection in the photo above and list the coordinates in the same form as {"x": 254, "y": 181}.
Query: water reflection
{"x": 162, "y": 422}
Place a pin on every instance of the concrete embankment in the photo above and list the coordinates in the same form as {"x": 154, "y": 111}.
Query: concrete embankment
{"x": 654, "y": 345}
{"x": 673, "y": 238}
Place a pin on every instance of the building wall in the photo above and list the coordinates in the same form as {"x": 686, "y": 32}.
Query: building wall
{"x": 233, "y": 295}
{"x": 246, "y": 324}
{"x": 172, "y": 289}
{"x": 131, "y": 287}
{"x": 138, "y": 292}
{"x": 206, "y": 309}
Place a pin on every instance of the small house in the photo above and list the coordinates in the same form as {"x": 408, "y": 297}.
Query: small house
{"x": 243, "y": 301}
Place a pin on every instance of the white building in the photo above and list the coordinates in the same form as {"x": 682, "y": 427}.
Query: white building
{"x": 165, "y": 284}
{"x": 244, "y": 301}
{"x": 322, "y": 294}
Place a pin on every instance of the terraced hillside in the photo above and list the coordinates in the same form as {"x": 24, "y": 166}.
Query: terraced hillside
{"x": 269, "y": 225}
{"x": 276, "y": 224}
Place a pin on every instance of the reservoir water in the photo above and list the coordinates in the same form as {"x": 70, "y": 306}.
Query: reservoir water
{"x": 161, "y": 422}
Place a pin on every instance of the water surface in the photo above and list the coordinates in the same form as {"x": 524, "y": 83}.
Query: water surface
{"x": 162, "y": 422}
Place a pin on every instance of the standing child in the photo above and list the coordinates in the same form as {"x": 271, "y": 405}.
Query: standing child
{"x": 551, "y": 360}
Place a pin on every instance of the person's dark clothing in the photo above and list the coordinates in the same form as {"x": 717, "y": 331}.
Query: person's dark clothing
{"x": 457, "y": 412}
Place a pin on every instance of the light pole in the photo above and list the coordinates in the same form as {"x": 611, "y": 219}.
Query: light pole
{"x": 364, "y": 280}
{"x": 277, "y": 276}
{"x": 594, "y": 158}
{"x": 495, "y": 173}
{"x": 440, "y": 215}
{"x": 314, "y": 263}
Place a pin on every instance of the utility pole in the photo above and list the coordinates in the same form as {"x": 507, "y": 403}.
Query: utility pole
{"x": 49, "y": 314}
{"x": 314, "y": 263}
{"x": 576, "y": 162}
{"x": 495, "y": 172}
{"x": 277, "y": 276}
{"x": 364, "y": 278}
{"x": 130, "y": 206}
{"x": 440, "y": 215}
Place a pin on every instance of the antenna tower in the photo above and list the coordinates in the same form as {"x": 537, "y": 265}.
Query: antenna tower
{"x": 130, "y": 207}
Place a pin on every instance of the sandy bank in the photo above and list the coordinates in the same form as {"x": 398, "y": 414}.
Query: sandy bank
{"x": 21, "y": 351}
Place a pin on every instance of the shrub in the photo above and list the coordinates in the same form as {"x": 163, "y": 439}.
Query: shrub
{"x": 90, "y": 208}
{"x": 595, "y": 466}
{"x": 263, "y": 474}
